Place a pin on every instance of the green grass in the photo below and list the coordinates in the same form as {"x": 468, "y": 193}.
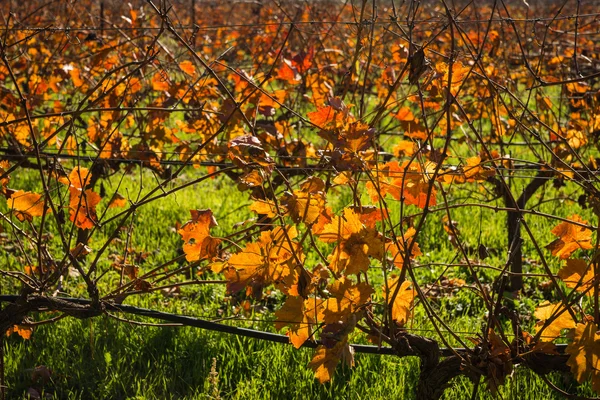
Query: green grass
{"x": 108, "y": 360}
{"x": 103, "y": 359}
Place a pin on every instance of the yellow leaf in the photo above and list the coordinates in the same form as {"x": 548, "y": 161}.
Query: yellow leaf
{"x": 304, "y": 206}
{"x": 292, "y": 314}
{"x": 584, "y": 354}
{"x": 551, "y": 331}
{"x": 265, "y": 207}
{"x": 577, "y": 274}
{"x": 341, "y": 227}
{"x": 326, "y": 359}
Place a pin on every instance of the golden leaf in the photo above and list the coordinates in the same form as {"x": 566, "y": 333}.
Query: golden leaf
{"x": 265, "y": 207}
{"x": 326, "y": 359}
{"x": 341, "y": 227}
{"x": 577, "y": 274}
{"x": 584, "y": 354}
{"x": 292, "y": 314}
{"x": 304, "y": 206}
{"x": 551, "y": 331}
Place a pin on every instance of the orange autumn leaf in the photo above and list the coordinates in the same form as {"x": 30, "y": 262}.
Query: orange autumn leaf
{"x": 4, "y": 177}
{"x": 402, "y": 303}
{"x": 270, "y": 260}
{"x": 552, "y": 330}
{"x": 356, "y": 243}
{"x": 76, "y": 77}
{"x": 409, "y": 182}
{"x": 323, "y": 116}
{"x": 187, "y": 67}
{"x": 198, "y": 243}
{"x": 399, "y": 250}
{"x": 577, "y": 274}
{"x": 418, "y": 194}
{"x": 82, "y": 207}
{"x": 26, "y": 205}
{"x": 160, "y": 82}
{"x": 404, "y": 148}
{"x": 80, "y": 177}
{"x": 404, "y": 114}
{"x": 21, "y": 330}
{"x": 341, "y": 227}
{"x": 82, "y": 202}
{"x": 370, "y": 215}
{"x": 288, "y": 73}
{"x": 117, "y": 201}
{"x": 584, "y": 354}
{"x": 570, "y": 238}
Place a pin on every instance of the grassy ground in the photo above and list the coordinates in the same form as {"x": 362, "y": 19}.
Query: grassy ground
{"x": 102, "y": 359}
{"x": 106, "y": 359}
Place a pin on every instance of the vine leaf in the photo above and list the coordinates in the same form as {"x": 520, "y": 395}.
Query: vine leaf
{"x": 187, "y": 67}
{"x": 409, "y": 182}
{"x": 326, "y": 359}
{"x": 584, "y": 354}
{"x": 26, "y": 205}
{"x": 82, "y": 202}
{"x": 500, "y": 365}
{"x": 348, "y": 299}
{"x": 577, "y": 274}
{"x": 117, "y": 201}
{"x": 265, "y": 207}
{"x": 402, "y": 303}
{"x": 547, "y": 310}
{"x": 570, "y": 238}
{"x": 4, "y": 177}
{"x": 21, "y": 330}
{"x": 356, "y": 243}
{"x": 305, "y": 205}
{"x": 199, "y": 244}
{"x": 270, "y": 260}
{"x": 292, "y": 314}
{"x": 399, "y": 250}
